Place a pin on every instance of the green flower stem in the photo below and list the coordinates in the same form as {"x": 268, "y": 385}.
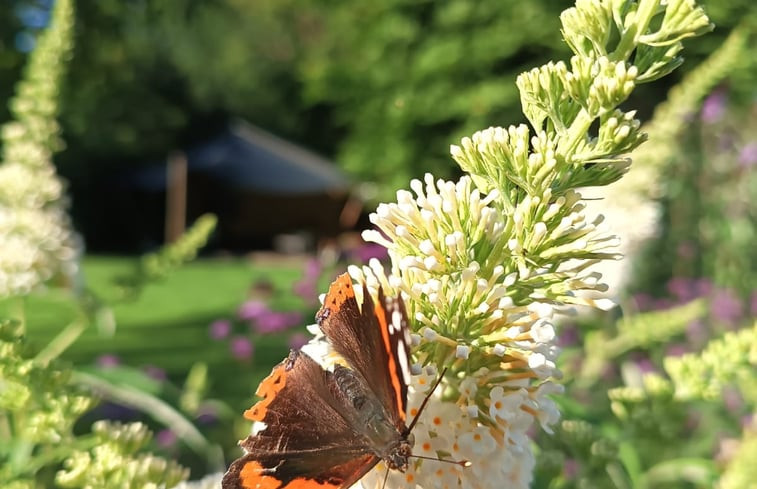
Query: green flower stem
{"x": 630, "y": 38}
{"x": 20, "y": 455}
{"x": 62, "y": 341}
{"x": 60, "y": 453}
{"x": 576, "y": 133}
{"x": 158, "y": 409}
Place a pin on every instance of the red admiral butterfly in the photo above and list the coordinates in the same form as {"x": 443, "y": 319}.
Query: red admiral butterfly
{"x": 326, "y": 429}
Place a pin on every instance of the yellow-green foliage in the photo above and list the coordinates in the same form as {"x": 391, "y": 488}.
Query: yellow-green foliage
{"x": 114, "y": 461}
{"x": 157, "y": 265}
{"x": 38, "y": 408}
{"x": 740, "y": 471}
{"x": 730, "y": 360}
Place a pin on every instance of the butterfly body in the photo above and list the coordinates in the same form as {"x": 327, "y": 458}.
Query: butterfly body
{"x": 324, "y": 428}
{"x": 381, "y": 435}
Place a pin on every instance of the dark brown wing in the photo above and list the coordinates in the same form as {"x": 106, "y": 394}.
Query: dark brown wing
{"x": 250, "y": 472}
{"x": 373, "y": 339}
{"x": 306, "y": 442}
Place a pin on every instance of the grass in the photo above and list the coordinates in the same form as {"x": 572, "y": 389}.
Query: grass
{"x": 167, "y": 324}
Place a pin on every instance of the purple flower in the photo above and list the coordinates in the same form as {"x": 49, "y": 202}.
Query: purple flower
{"x": 220, "y": 329}
{"x": 108, "y": 360}
{"x": 366, "y": 252}
{"x": 732, "y": 399}
{"x": 643, "y": 301}
{"x": 252, "y": 309}
{"x": 747, "y": 421}
{"x": 571, "y": 468}
{"x": 644, "y": 364}
{"x": 111, "y": 410}
{"x": 273, "y": 321}
{"x": 662, "y": 304}
{"x": 154, "y": 372}
{"x": 207, "y": 415}
{"x": 307, "y": 287}
{"x": 312, "y": 268}
{"x": 748, "y": 155}
{"x": 297, "y": 341}
{"x": 165, "y": 438}
{"x": 714, "y": 106}
{"x": 704, "y": 287}
{"x": 696, "y": 332}
{"x": 683, "y": 289}
{"x": 569, "y": 336}
{"x": 686, "y": 250}
{"x": 307, "y": 290}
{"x": 693, "y": 420}
{"x": 241, "y": 348}
{"x": 725, "y": 306}
{"x": 676, "y": 350}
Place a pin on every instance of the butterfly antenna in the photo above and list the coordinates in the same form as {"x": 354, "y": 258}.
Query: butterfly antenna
{"x": 423, "y": 404}
{"x": 461, "y": 463}
{"x": 386, "y": 476}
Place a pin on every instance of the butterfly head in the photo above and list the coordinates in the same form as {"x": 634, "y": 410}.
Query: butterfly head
{"x": 397, "y": 457}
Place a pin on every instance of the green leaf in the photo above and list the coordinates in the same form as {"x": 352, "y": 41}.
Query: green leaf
{"x": 699, "y": 471}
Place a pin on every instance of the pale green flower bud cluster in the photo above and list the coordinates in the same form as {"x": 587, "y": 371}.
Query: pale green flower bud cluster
{"x": 740, "y": 471}
{"x": 730, "y": 360}
{"x": 484, "y": 263}
{"x": 27, "y": 393}
{"x": 655, "y": 408}
{"x": 114, "y": 462}
{"x": 591, "y": 25}
{"x": 638, "y": 331}
{"x": 36, "y": 239}
{"x": 38, "y": 408}
{"x": 631, "y": 205}
{"x": 156, "y": 266}
{"x": 647, "y": 406}
{"x": 672, "y": 116}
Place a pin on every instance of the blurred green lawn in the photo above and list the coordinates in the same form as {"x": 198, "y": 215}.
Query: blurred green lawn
{"x": 167, "y": 325}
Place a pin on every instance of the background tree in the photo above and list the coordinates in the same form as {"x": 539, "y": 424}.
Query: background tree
{"x": 382, "y": 89}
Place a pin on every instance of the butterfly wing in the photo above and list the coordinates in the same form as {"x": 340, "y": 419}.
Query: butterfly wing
{"x": 373, "y": 339}
{"x": 306, "y": 442}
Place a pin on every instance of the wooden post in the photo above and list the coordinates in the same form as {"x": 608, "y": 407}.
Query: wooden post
{"x": 176, "y": 196}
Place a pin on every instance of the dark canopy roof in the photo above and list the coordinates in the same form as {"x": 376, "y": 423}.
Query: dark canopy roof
{"x": 245, "y": 156}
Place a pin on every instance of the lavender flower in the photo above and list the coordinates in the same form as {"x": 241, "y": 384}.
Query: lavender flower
{"x": 207, "y": 414}
{"x": 241, "y": 348}
{"x": 364, "y": 253}
{"x": 726, "y": 306}
{"x": 220, "y": 329}
{"x": 697, "y": 333}
{"x": 154, "y": 372}
{"x": 683, "y": 289}
{"x": 252, "y": 309}
{"x": 108, "y": 360}
{"x": 166, "y": 438}
{"x": 714, "y": 106}
{"x": 748, "y": 155}
{"x": 275, "y": 321}
{"x": 298, "y": 340}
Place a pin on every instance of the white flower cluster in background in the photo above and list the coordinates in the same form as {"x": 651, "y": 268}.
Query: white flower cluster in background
{"x": 37, "y": 242}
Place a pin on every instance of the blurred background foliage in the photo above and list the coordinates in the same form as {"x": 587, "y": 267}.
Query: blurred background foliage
{"x": 384, "y": 88}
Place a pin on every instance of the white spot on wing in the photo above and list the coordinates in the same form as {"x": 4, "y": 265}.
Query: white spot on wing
{"x": 402, "y": 358}
{"x": 397, "y": 320}
{"x": 257, "y": 427}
